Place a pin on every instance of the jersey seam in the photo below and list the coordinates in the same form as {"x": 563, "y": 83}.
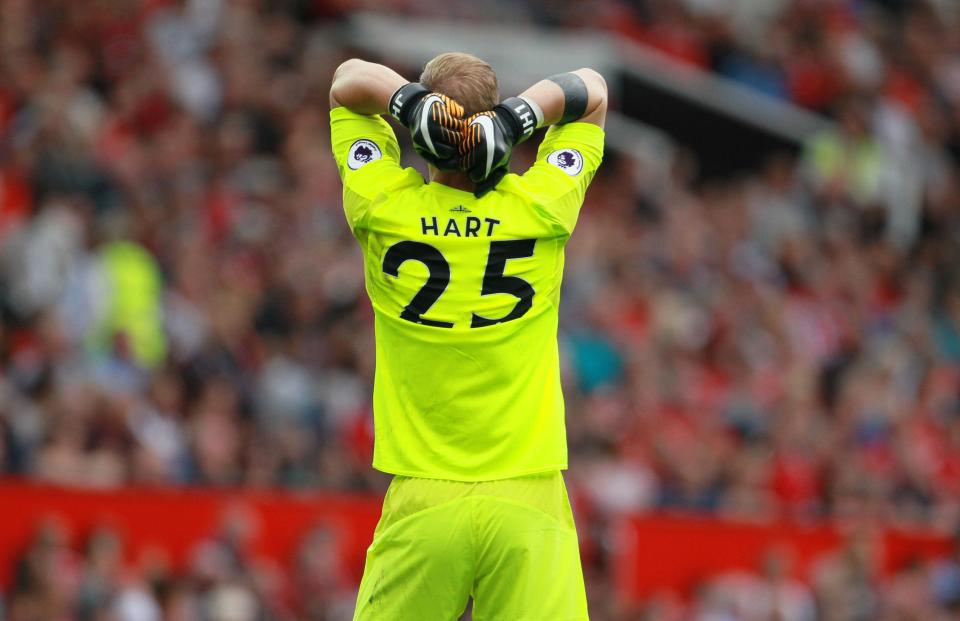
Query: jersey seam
{"x": 560, "y": 245}
{"x": 378, "y": 205}
{"x": 377, "y": 188}
{"x": 544, "y": 212}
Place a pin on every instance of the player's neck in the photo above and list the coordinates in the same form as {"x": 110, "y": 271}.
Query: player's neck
{"x": 452, "y": 179}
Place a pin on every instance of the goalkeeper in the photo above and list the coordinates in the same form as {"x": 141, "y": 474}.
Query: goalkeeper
{"x": 464, "y": 276}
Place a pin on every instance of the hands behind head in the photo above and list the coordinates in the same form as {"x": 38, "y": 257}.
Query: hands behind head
{"x": 479, "y": 145}
{"x": 436, "y": 126}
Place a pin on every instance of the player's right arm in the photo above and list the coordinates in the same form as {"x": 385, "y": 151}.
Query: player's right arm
{"x": 364, "y": 145}
{"x": 434, "y": 120}
{"x": 364, "y": 87}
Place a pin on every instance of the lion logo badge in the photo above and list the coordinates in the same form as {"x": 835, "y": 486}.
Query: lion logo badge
{"x": 568, "y": 160}
{"x": 362, "y": 152}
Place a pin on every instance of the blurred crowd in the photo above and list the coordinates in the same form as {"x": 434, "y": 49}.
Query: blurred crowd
{"x": 66, "y": 575}
{"x": 54, "y": 579}
{"x": 842, "y": 586}
{"x": 181, "y": 302}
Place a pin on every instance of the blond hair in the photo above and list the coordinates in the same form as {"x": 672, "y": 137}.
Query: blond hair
{"x": 464, "y": 78}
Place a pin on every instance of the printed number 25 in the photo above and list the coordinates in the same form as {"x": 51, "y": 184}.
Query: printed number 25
{"x": 494, "y": 280}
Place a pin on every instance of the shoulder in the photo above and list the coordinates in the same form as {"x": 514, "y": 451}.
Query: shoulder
{"x": 382, "y": 180}
{"x": 586, "y": 134}
{"x": 369, "y": 137}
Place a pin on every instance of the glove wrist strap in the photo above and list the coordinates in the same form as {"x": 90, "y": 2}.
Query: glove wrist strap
{"x": 522, "y": 115}
{"x": 537, "y": 111}
{"x": 405, "y": 99}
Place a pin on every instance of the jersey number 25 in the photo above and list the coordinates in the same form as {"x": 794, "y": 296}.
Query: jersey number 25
{"x": 494, "y": 280}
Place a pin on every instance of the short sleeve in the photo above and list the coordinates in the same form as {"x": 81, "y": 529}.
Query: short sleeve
{"x": 566, "y": 161}
{"x": 368, "y": 158}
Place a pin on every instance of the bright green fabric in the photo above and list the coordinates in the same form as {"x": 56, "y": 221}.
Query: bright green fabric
{"x": 510, "y": 544}
{"x": 464, "y": 402}
{"x": 135, "y": 305}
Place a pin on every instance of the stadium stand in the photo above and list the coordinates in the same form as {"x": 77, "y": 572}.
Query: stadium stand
{"x": 771, "y": 343}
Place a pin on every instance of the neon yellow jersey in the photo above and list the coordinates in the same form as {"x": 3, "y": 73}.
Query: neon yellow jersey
{"x": 465, "y": 293}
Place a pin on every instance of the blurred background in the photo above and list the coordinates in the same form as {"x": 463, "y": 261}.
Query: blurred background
{"x": 760, "y": 322}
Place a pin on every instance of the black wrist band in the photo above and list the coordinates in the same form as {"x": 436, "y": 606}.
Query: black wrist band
{"x": 574, "y": 96}
{"x": 521, "y": 116}
{"x": 404, "y": 99}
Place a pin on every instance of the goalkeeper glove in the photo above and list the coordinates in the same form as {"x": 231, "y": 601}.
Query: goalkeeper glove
{"x": 434, "y": 121}
{"x": 489, "y": 138}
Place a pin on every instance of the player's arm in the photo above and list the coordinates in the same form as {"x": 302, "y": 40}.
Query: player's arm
{"x": 364, "y": 87}
{"x": 434, "y": 120}
{"x": 577, "y": 96}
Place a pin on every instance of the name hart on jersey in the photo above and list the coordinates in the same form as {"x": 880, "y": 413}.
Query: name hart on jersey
{"x": 471, "y": 227}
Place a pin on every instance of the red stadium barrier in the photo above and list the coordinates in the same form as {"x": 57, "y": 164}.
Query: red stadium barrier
{"x": 650, "y": 553}
{"x": 678, "y": 553}
{"x": 174, "y": 521}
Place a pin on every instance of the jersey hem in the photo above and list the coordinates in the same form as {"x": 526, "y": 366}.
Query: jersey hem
{"x": 439, "y": 476}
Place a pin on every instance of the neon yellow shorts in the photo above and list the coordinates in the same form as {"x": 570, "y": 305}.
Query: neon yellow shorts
{"x": 510, "y": 544}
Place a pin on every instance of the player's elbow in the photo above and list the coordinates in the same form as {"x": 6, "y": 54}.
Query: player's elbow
{"x": 594, "y": 81}
{"x": 348, "y": 67}
{"x": 341, "y": 80}
{"x": 596, "y": 110}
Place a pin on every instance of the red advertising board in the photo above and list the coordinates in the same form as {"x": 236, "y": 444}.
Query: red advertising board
{"x": 174, "y": 521}
{"x": 651, "y": 553}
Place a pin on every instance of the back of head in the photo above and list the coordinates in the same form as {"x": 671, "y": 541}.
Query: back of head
{"x": 464, "y": 78}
